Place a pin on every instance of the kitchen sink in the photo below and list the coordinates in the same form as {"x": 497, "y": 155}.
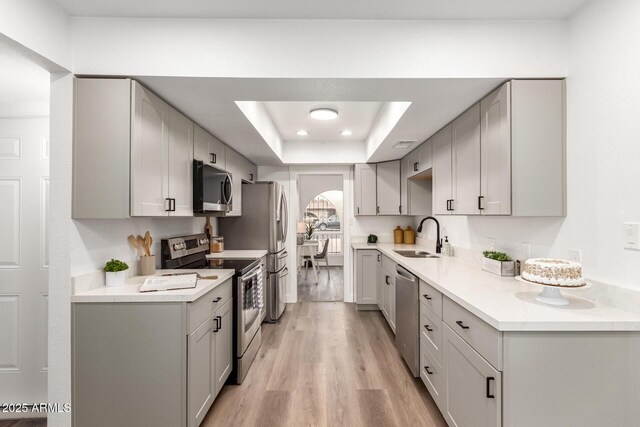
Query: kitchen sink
{"x": 415, "y": 254}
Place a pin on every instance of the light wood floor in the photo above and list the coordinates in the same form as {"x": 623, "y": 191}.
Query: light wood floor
{"x": 330, "y": 287}
{"x": 325, "y": 364}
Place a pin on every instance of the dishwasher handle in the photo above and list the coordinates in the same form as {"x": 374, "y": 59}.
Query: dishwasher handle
{"x": 405, "y": 274}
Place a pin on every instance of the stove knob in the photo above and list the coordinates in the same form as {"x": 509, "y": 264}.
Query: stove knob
{"x": 176, "y": 246}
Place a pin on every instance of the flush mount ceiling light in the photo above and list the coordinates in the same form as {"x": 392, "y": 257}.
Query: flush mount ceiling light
{"x": 403, "y": 144}
{"x": 346, "y": 132}
{"x": 302, "y": 133}
{"x": 323, "y": 114}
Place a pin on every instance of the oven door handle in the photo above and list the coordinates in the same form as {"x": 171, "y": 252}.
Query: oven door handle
{"x": 255, "y": 272}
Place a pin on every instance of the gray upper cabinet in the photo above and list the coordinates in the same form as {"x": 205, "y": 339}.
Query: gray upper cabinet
{"x": 208, "y": 149}
{"x": 505, "y": 155}
{"x": 149, "y": 154}
{"x": 101, "y": 148}
{"x": 465, "y": 156}
{"x": 365, "y": 189}
{"x": 388, "y": 188}
{"x": 180, "y": 161}
{"x": 538, "y": 157}
{"x": 442, "y": 171}
{"x": 495, "y": 152}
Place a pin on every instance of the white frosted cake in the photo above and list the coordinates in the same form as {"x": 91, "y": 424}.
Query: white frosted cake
{"x": 553, "y": 272}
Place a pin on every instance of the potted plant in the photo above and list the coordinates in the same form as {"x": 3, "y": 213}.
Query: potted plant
{"x": 309, "y": 229}
{"x": 498, "y": 263}
{"x": 115, "y": 272}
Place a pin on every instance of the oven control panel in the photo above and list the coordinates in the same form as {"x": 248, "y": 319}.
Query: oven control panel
{"x": 178, "y": 247}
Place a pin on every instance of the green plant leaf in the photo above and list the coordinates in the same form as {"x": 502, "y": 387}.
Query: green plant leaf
{"x": 115, "y": 265}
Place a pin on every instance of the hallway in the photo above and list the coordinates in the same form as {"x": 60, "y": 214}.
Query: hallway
{"x": 330, "y": 286}
{"x": 326, "y": 364}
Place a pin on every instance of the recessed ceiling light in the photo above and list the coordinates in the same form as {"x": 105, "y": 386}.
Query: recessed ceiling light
{"x": 302, "y": 133}
{"x": 346, "y": 132}
{"x": 323, "y": 114}
{"x": 403, "y": 144}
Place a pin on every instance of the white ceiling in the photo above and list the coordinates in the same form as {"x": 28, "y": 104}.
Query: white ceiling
{"x": 327, "y": 9}
{"x": 21, "y": 80}
{"x": 210, "y": 102}
{"x": 289, "y": 117}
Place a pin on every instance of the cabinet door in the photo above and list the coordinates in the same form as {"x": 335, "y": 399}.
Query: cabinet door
{"x": 208, "y": 149}
{"x": 385, "y": 281}
{"x": 413, "y": 162}
{"x": 425, "y": 156}
{"x": 442, "y": 171}
{"x": 223, "y": 348}
{"x": 404, "y": 179}
{"x": 392, "y": 302}
{"x": 250, "y": 171}
{"x": 495, "y": 152}
{"x": 367, "y": 279}
{"x": 149, "y": 154}
{"x": 365, "y": 189}
{"x": 234, "y": 167}
{"x": 465, "y": 137}
{"x": 473, "y": 387}
{"x": 388, "y": 188}
{"x": 180, "y": 164}
{"x": 200, "y": 376}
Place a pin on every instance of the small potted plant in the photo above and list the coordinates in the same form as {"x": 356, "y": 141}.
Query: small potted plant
{"x": 115, "y": 272}
{"x": 498, "y": 263}
{"x": 309, "y": 229}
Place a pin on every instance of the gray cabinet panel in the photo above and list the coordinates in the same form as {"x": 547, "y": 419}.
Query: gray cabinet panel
{"x": 129, "y": 364}
{"x": 223, "y": 345}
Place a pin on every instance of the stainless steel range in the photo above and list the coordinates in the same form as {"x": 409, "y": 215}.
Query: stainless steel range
{"x": 189, "y": 252}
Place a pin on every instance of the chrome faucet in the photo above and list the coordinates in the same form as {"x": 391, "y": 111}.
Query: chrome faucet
{"x": 438, "y": 240}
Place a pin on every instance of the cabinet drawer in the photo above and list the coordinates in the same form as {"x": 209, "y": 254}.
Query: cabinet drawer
{"x": 202, "y": 308}
{"x": 484, "y": 339}
{"x": 389, "y": 265}
{"x": 431, "y": 297}
{"x": 432, "y": 375}
{"x": 431, "y": 331}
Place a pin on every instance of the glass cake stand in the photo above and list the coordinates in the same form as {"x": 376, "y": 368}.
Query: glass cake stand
{"x": 551, "y": 294}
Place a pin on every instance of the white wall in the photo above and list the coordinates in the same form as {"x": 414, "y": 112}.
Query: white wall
{"x": 603, "y": 189}
{"x": 318, "y": 48}
{"x": 312, "y": 185}
{"x": 42, "y": 27}
{"x": 94, "y": 242}
{"x": 333, "y": 152}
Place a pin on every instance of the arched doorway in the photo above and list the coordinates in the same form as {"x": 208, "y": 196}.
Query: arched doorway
{"x": 322, "y": 216}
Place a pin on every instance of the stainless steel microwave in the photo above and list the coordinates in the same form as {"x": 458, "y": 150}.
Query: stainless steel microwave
{"x": 212, "y": 189}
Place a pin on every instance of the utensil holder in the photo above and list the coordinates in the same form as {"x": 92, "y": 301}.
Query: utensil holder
{"x": 147, "y": 265}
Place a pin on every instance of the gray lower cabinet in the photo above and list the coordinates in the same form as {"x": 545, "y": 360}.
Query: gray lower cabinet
{"x": 473, "y": 391}
{"x": 366, "y": 275}
{"x": 150, "y": 364}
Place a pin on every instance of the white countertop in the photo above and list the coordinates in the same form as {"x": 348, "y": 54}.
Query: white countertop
{"x": 505, "y": 303}
{"x": 238, "y": 254}
{"x": 130, "y": 292}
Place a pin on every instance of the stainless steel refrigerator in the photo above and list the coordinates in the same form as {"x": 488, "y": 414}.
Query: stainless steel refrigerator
{"x": 263, "y": 225}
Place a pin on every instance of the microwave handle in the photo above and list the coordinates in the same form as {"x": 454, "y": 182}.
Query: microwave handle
{"x": 227, "y": 200}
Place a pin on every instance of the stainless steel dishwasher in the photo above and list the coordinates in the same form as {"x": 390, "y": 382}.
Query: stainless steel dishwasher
{"x": 407, "y": 306}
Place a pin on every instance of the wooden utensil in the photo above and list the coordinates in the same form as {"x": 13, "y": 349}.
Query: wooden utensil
{"x": 135, "y": 244}
{"x": 147, "y": 242}
{"x": 142, "y": 245}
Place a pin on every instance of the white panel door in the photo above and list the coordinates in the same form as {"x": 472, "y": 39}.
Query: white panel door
{"x": 149, "y": 155}
{"x": 495, "y": 152}
{"x": 24, "y": 258}
{"x": 208, "y": 149}
{"x": 465, "y": 143}
{"x": 442, "y": 171}
{"x": 180, "y": 164}
{"x": 388, "y": 188}
{"x": 368, "y": 269}
{"x": 425, "y": 157}
{"x": 223, "y": 345}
